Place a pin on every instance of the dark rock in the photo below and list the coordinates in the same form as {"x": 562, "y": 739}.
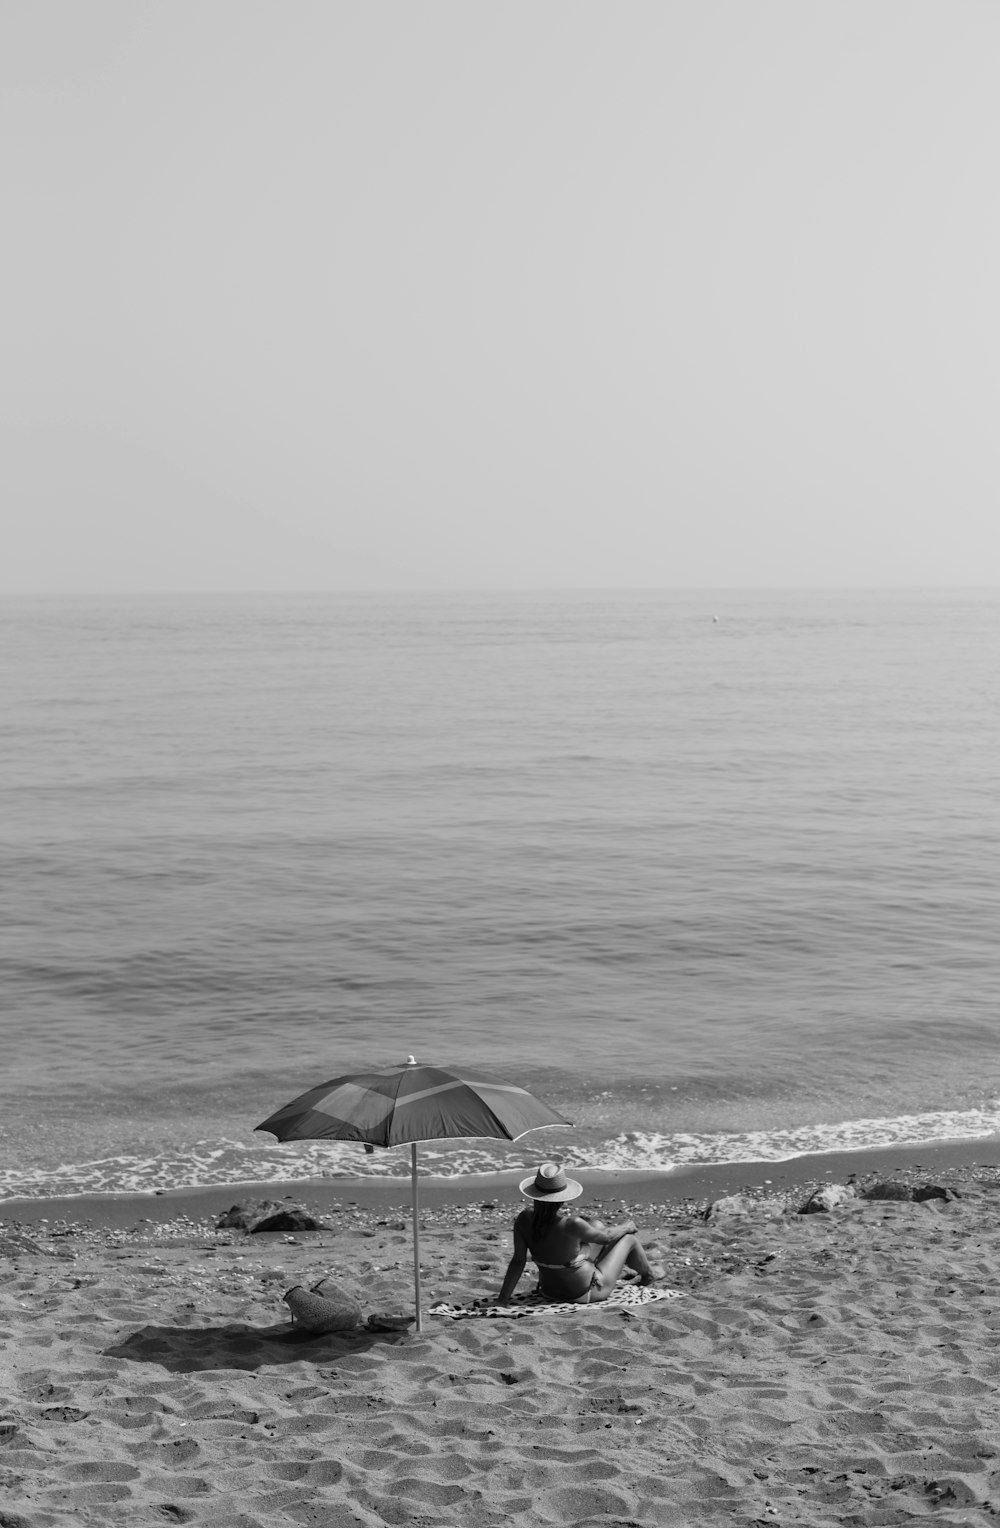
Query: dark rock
{"x": 897, "y": 1191}
{"x": 287, "y": 1220}
{"x": 240, "y": 1217}
{"x": 908, "y": 1192}
{"x": 256, "y": 1215}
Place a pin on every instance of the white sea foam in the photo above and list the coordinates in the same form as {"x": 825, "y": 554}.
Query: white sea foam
{"x": 635, "y": 1149}
{"x": 220, "y": 1162}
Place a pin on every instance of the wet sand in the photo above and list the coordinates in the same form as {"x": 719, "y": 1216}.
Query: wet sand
{"x": 836, "y": 1368}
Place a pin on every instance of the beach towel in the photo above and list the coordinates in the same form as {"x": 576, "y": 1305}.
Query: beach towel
{"x": 626, "y": 1297}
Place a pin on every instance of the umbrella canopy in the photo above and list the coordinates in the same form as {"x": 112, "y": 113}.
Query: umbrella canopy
{"x": 411, "y": 1103}
{"x": 407, "y": 1104}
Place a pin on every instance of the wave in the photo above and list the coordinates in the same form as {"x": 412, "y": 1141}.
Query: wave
{"x": 216, "y": 1163}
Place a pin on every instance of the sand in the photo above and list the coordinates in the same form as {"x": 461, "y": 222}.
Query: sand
{"x": 825, "y": 1369}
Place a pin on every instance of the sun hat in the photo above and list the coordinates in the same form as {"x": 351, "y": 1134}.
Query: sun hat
{"x": 551, "y": 1183}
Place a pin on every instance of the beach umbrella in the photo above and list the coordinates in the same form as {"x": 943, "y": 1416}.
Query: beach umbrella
{"x": 408, "y": 1104}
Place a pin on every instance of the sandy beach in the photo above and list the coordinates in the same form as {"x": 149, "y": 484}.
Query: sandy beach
{"x": 834, "y": 1368}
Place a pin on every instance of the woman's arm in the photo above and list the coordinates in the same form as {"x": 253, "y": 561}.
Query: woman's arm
{"x": 597, "y": 1231}
{"x": 515, "y": 1267}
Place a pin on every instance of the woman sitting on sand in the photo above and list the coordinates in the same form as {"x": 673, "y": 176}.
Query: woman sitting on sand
{"x": 578, "y": 1260}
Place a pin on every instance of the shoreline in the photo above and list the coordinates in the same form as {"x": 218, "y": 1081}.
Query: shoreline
{"x": 697, "y": 1182}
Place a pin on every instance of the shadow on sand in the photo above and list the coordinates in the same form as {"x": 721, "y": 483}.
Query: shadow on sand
{"x": 186, "y": 1350}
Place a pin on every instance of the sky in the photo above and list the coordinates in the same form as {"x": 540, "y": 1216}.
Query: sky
{"x": 460, "y": 294}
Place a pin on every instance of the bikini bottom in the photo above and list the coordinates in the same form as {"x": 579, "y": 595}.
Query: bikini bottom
{"x": 581, "y": 1299}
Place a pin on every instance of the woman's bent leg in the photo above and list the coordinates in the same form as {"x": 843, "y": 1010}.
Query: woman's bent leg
{"x": 627, "y": 1252}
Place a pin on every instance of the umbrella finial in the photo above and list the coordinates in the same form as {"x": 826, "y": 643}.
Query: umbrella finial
{"x": 411, "y": 1060}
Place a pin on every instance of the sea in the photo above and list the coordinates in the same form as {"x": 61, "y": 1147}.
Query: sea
{"x": 714, "y": 874}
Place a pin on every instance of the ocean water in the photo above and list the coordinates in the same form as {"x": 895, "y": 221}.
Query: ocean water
{"x": 716, "y": 874}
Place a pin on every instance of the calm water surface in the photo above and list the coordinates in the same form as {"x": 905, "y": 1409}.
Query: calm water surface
{"x": 717, "y": 874}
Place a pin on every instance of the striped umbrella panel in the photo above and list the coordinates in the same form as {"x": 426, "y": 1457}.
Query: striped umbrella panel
{"x": 412, "y": 1103}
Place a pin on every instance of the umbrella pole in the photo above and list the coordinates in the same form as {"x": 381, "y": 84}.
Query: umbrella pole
{"x": 416, "y": 1231}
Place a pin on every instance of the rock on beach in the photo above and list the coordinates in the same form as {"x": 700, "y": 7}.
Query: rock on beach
{"x": 257, "y": 1216}
{"x": 830, "y": 1197}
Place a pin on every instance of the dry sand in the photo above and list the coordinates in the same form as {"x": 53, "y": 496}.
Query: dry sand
{"x": 822, "y": 1369}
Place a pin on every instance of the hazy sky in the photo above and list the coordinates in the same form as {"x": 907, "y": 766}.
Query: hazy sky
{"x": 464, "y": 293}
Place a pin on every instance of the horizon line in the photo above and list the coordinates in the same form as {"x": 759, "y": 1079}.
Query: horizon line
{"x": 466, "y": 590}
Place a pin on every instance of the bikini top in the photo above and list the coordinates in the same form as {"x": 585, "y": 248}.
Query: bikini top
{"x": 577, "y": 1262}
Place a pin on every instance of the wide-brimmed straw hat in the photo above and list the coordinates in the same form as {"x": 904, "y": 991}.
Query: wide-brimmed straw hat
{"x": 550, "y": 1183}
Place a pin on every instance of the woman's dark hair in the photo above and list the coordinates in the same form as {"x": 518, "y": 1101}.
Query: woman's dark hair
{"x": 545, "y": 1215}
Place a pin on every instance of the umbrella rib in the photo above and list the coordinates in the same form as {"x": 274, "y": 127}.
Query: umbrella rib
{"x": 562, "y": 1124}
